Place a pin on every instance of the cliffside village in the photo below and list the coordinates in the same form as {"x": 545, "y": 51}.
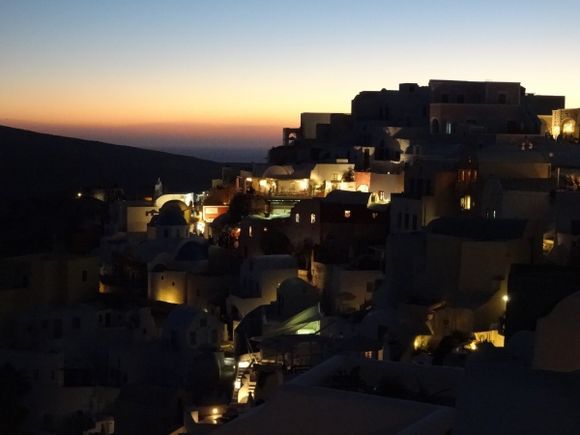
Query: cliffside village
{"x": 411, "y": 267}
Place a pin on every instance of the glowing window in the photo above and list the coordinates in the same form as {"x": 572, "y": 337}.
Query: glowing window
{"x": 569, "y": 127}
{"x": 347, "y": 214}
{"x": 297, "y": 218}
{"x": 250, "y": 231}
{"x": 312, "y": 218}
{"x": 465, "y": 202}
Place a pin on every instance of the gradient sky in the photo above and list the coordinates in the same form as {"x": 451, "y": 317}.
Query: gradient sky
{"x": 198, "y": 75}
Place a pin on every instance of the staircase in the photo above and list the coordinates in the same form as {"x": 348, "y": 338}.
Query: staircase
{"x": 245, "y": 376}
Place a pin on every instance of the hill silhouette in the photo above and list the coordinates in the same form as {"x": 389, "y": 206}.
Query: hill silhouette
{"x": 40, "y": 174}
{"x": 36, "y": 164}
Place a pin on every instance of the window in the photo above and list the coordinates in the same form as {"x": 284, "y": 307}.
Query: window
{"x": 502, "y": 98}
{"x": 84, "y": 276}
{"x": 449, "y": 128}
{"x": 399, "y": 220}
{"x": 192, "y": 339}
{"x": 347, "y": 214}
{"x": 312, "y": 218}
{"x": 465, "y": 202}
{"x": 250, "y": 231}
{"x": 406, "y": 221}
{"x": 381, "y": 195}
{"x": 414, "y": 226}
{"x": 165, "y": 233}
{"x": 435, "y": 126}
{"x": 460, "y": 99}
{"x": 203, "y": 322}
{"x": 445, "y": 98}
{"x": 297, "y": 218}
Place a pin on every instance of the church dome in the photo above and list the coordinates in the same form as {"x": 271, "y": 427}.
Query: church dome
{"x": 278, "y": 171}
{"x": 171, "y": 214}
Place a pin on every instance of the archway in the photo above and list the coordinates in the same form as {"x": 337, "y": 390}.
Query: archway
{"x": 569, "y": 127}
{"x": 435, "y": 126}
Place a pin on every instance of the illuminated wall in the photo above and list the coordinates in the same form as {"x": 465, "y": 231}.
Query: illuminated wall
{"x": 168, "y": 286}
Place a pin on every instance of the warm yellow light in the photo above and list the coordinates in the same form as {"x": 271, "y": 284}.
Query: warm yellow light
{"x": 568, "y": 127}
{"x": 505, "y": 298}
{"x": 237, "y": 385}
{"x": 492, "y": 336}
{"x": 466, "y": 202}
{"x": 303, "y": 184}
{"x": 421, "y": 342}
{"x": 263, "y": 183}
{"x": 214, "y": 411}
{"x": 555, "y": 131}
{"x": 249, "y": 179}
{"x": 79, "y": 194}
{"x": 472, "y": 345}
{"x": 243, "y": 364}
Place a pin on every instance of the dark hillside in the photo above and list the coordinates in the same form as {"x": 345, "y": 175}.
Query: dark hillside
{"x": 33, "y": 164}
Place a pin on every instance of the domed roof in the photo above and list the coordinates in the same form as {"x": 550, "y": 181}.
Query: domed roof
{"x": 296, "y": 286}
{"x": 192, "y": 251}
{"x": 170, "y": 214}
{"x": 278, "y": 171}
{"x": 174, "y": 204}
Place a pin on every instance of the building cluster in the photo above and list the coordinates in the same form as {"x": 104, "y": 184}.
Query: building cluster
{"x": 410, "y": 267}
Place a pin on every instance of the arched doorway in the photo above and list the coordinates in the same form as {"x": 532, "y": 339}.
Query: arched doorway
{"x": 569, "y": 127}
{"x": 435, "y": 126}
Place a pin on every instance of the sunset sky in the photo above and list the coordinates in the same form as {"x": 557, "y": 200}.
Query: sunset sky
{"x": 195, "y": 76}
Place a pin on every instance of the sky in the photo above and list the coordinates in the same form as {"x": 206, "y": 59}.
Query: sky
{"x": 221, "y": 78}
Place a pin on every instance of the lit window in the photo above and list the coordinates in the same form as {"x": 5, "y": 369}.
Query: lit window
{"x": 347, "y": 214}
{"x": 312, "y": 218}
{"x": 381, "y": 195}
{"x": 465, "y": 202}
{"x": 569, "y": 127}
{"x": 297, "y": 218}
{"x": 250, "y": 231}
